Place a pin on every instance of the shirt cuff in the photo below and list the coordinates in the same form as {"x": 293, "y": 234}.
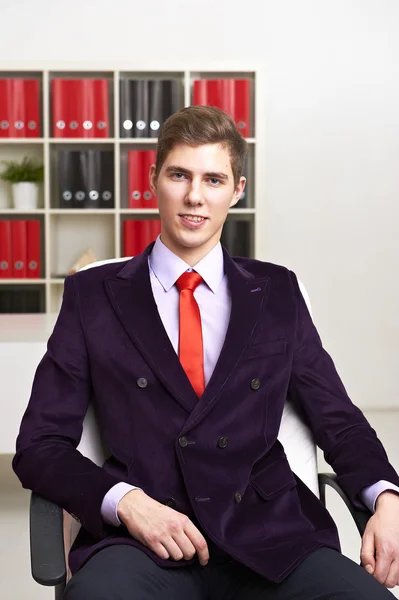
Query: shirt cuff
{"x": 370, "y": 494}
{"x": 109, "y": 505}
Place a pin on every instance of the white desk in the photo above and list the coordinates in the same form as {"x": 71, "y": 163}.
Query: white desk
{"x": 23, "y": 342}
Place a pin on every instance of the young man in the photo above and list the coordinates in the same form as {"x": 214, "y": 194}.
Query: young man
{"x": 188, "y": 356}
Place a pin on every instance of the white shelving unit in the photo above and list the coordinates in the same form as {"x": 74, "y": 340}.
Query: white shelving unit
{"x": 68, "y": 232}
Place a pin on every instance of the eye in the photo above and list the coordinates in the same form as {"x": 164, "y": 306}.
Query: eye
{"x": 178, "y": 175}
{"x": 214, "y": 180}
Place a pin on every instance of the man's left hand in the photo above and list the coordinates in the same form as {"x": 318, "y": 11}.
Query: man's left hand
{"x": 380, "y": 542}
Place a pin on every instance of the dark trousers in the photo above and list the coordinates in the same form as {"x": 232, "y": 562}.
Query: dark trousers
{"x": 126, "y": 573}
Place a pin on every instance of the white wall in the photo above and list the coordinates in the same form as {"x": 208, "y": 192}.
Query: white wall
{"x": 331, "y": 210}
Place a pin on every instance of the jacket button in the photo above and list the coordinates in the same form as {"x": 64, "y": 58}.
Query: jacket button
{"x": 142, "y": 382}
{"x": 183, "y": 442}
{"x": 170, "y": 502}
{"x": 255, "y": 384}
{"x": 222, "y": 443}
{"x": 237, "y": 497}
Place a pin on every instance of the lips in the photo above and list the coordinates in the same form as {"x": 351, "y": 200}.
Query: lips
{"x": 192, "y": 221}
{"x": 192, "y": 217}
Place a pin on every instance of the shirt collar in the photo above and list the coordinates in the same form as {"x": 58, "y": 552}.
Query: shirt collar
{"x": 168, "y": 267}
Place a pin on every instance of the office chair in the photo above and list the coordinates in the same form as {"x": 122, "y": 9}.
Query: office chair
{"x": 53, "y": 530}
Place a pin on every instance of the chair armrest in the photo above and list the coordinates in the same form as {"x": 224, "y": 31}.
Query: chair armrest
{"x": 359, "y": 516}
{"x": 46, "y": 542}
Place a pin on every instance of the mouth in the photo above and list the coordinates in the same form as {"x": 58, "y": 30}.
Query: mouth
{"x": 192, "y": 221}
{"x": 194, "y": 218}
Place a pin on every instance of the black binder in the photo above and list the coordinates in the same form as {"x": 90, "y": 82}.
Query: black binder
{"x": 145, "y": 104}
{"x": 236, "y": 237}
{"x": 71, "y": 185}
{"x": 107, "y": 190}
{"x": 126, "y": 110}
{"x": 86, "y": 179}
{"x": 139, "y": 93}
{"x": 90, "y": 161}
{"x": 22, "y": 299}
{"x": 164, "y": 101}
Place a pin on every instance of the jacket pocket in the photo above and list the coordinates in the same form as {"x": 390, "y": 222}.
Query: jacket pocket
{"x": 274, "y": 479}
{"x": 269, "y": 348}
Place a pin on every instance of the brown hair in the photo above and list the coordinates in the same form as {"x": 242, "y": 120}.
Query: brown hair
{"x": 198, "y": 125}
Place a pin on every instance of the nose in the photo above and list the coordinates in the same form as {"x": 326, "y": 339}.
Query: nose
{"x": 194, "y": 195}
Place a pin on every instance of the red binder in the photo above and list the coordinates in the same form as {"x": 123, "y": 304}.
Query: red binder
{"x": 130, "y": 237}
{"x": 74, "y": 89}
{"x": 213, "y": 92}
{"x": 5, "y": 249}
{"x": 18, "y": 125}
{"x": 243, "y": 106}
{"x": 135, "y": 179}
{"x": 67, "y": 108}
{"x": 5, "y": 107}
{"x": 148, "y": 158}
{"x": 33, "y": 249}
{"x": 231, "y": 95}
{"x": 200, "y": 92}
{"x": 145, "y": 234}
{"x": 32, "y": 109}
{"x": 60, "y": 107}
{"x": 155, "y": 229}
{"x": 18, "y": 249}
{"x": 85, "y": 101}
{"x": 101, "y": 109}
{"x": 227, "y": 94}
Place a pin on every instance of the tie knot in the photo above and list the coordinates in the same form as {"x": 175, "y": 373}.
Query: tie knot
{"x": 188, "y": 281}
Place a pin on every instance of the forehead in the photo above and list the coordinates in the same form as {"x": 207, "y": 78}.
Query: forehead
{"x": 200, "y": 159}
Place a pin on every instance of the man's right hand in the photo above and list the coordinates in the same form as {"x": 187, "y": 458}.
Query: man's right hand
{"x": 165, "y": 531}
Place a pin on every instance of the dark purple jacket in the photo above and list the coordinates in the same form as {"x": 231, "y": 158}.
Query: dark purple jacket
{"x": 109, "y": 347}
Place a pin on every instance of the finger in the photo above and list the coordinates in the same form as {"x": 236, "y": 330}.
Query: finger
{"x": 154, "y": 540}
{"x": 198, "y": 541}
{"x": 393, "y": 576}
{"x": 159, "y": 550}
{"x": 185, "y": 545}
{"x": 175, "y": 552}
{"x": 382, "y": 565}
{"x": 367, "y": 552}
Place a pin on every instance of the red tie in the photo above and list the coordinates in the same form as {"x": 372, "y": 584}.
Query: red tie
{"x": 191, "y": 350}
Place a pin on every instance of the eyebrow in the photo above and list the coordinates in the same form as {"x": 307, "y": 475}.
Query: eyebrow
{"x": 214, "y": 174}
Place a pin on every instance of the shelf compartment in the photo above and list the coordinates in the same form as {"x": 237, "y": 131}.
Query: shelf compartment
{"x": 82, "y": 177}
{"x": 147, "y": 100}
{"x": 81, "y": 104}
{"x": 22, "y": 297}
{"x": 23, "y": 120}
{"x": 238, "y": 235}
{"x": 71, "y": 235}
{"x": 16, "y": 152}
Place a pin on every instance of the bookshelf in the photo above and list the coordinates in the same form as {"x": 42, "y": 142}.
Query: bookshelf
{"x": 67, "y": 232}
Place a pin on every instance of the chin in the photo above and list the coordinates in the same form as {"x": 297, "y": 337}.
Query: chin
{"x": 191, "y": 243}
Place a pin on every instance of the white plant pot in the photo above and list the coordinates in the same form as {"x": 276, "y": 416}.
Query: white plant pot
{"x": 25, "y": 195}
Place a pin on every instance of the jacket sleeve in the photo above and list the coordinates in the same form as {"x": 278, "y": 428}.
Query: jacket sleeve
{"x": 340, "y": 429}
{"x": 46, "y": 459}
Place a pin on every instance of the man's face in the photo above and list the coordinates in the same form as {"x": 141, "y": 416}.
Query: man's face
{"x": 195, "y": 189}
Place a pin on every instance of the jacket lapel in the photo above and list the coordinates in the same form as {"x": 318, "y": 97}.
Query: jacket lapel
{"x": 248, "y": 296}
{"x": 131, "y": 296}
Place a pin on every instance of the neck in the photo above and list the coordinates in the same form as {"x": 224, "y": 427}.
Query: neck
{"x": 191, "y": 256}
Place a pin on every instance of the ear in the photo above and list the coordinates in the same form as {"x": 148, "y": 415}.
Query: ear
{"x": 238, "y": 191}
{"x": 153, "y": 180}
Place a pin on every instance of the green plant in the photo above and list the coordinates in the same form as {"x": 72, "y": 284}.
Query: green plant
{"x": 26, "y": 170}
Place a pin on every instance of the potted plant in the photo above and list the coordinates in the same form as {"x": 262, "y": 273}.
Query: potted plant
{"x": 24, "y": 177}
